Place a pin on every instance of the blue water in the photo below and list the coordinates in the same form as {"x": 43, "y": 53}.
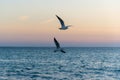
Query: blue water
{"x": 44, "y": 64}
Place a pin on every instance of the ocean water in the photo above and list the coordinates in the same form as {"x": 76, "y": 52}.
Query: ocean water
{"x": 43, "y": 64}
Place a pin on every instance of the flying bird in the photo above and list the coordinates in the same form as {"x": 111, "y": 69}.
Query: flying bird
{"x": 58, "y": 48}
{"x": 63, "y": 27}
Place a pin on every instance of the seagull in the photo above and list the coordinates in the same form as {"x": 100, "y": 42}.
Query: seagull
{"x": 63, "y": 27}
{"x": 58, "y": 48}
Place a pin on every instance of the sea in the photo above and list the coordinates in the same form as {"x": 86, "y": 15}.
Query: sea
{"x": 41, "y": 63}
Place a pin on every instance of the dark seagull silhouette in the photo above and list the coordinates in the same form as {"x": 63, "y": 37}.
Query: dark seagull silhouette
{"x": 63, "y": 27}
{"x": 58, "y": 48}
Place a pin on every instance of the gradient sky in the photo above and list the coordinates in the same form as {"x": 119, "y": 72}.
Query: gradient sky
{"x": 33, "y": 22}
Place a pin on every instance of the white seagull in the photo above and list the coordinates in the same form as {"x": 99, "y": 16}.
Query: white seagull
{"x": 58, "y": 48}
{"x": 63, "y": 27}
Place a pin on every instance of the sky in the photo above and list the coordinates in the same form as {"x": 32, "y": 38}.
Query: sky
{"x": 95, "y": 23}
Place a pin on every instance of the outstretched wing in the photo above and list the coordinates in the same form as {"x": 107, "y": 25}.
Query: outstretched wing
{"x": 61, "y": 21}
{"x": 63, "y": 51}
{"x": 56, "y": 43}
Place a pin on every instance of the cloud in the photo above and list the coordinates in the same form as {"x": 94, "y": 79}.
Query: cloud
{"x": 47, "y": 21}
{"x": 23, "y": 18}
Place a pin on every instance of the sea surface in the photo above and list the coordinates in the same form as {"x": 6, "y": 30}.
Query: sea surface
{"x": 36, "y": 63}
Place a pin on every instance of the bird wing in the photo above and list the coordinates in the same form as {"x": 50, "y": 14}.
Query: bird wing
{"x": 63, "y": 51}
{"x": 56, "y": 43}
{"x": 61, "y": 21}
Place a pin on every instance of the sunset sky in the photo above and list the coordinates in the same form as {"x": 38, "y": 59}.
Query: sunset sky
{"x": 33, "y": 23}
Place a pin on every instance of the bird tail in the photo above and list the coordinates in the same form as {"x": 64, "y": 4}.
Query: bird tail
{"x": 62, "y": 51}
{"x": 69, "y": 25}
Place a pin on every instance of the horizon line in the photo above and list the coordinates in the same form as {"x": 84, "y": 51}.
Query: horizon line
{"x": 63, "y": 47}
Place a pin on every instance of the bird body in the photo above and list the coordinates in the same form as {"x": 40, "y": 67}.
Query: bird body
{"x": 63, "y": 28}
